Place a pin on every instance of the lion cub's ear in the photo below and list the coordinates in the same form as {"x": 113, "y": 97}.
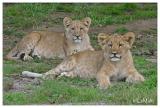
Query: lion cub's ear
{"x": 129, "y": 37}
{"x": 86, "y": 21}
{"x": 67, "y": 21}
{"x": 102, "y": 39}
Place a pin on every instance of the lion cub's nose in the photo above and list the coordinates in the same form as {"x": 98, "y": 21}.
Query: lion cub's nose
{"x": 114, "y": 53}
{"x": 77, "y": 36}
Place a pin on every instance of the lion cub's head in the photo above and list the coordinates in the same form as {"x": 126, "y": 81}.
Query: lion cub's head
{"x": 76, "y": 30}
{"x": 116, "y": 46}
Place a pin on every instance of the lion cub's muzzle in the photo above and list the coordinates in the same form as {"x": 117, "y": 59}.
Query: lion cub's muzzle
{"x": 114, "y": 56}
{"x": 77, "y": 39}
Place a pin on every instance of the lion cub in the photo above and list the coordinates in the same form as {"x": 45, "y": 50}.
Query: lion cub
{"x": 114, "y": 61}
{"x": 49, "y": 44}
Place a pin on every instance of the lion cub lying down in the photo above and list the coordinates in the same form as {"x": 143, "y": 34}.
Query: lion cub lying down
{"x": 49, "y": 44}
{"x": 114, "y": 61}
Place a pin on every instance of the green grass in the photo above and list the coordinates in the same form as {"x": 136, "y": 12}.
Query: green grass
{"x": 84, "y": 91}
{"x": 17, "y": 67}
{"x": 121, "y": 30}
{"x": 17, "y": 17}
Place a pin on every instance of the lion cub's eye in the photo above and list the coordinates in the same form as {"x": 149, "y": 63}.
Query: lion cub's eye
{"x": 81, "y": 28}
{"x": 120, "y": 44}
{"x": 72, "y": 28}
{"x": 110, "y": 45}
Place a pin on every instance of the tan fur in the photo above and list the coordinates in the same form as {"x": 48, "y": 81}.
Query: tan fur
{"x": 54, "y": 44}
{"x": 101, "y": 64}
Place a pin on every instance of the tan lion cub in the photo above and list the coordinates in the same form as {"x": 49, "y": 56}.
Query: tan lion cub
{"x": 114, "y": 61}
{"x": 49, "y": 44}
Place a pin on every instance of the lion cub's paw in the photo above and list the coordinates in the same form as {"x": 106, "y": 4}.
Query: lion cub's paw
{"x": 27, "y": 58}
{"x": 135, "y": 78}
{"x": 66, "y": 74}
{"x": 104, "y": 85}
{"x": 49, "y": 75}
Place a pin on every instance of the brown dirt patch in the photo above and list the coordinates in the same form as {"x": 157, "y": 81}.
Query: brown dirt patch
{"x": 136, "y": 26}
{"x": 20, "y": 84}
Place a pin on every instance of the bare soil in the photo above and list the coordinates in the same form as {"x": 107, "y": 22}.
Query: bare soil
{"x": 136, "y": 26}
{"x": 20, "y": 84}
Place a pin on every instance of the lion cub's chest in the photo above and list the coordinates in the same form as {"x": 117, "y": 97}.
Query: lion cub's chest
{"x": 119, "y": 72}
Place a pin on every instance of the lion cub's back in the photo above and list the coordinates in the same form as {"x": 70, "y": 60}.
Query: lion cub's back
{"x": 50, "y": 45}
{"x": 88, "y": 63}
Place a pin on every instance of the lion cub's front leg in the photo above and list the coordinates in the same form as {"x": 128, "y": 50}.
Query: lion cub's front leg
{"x": 103, "y": 80}
{"x": 133, "y": 76}
{"x": 103, "y": 76}
{"x": 65, "y": 66}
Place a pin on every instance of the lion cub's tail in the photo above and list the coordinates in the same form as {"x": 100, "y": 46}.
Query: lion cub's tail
{"x": 31, "y": 74}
